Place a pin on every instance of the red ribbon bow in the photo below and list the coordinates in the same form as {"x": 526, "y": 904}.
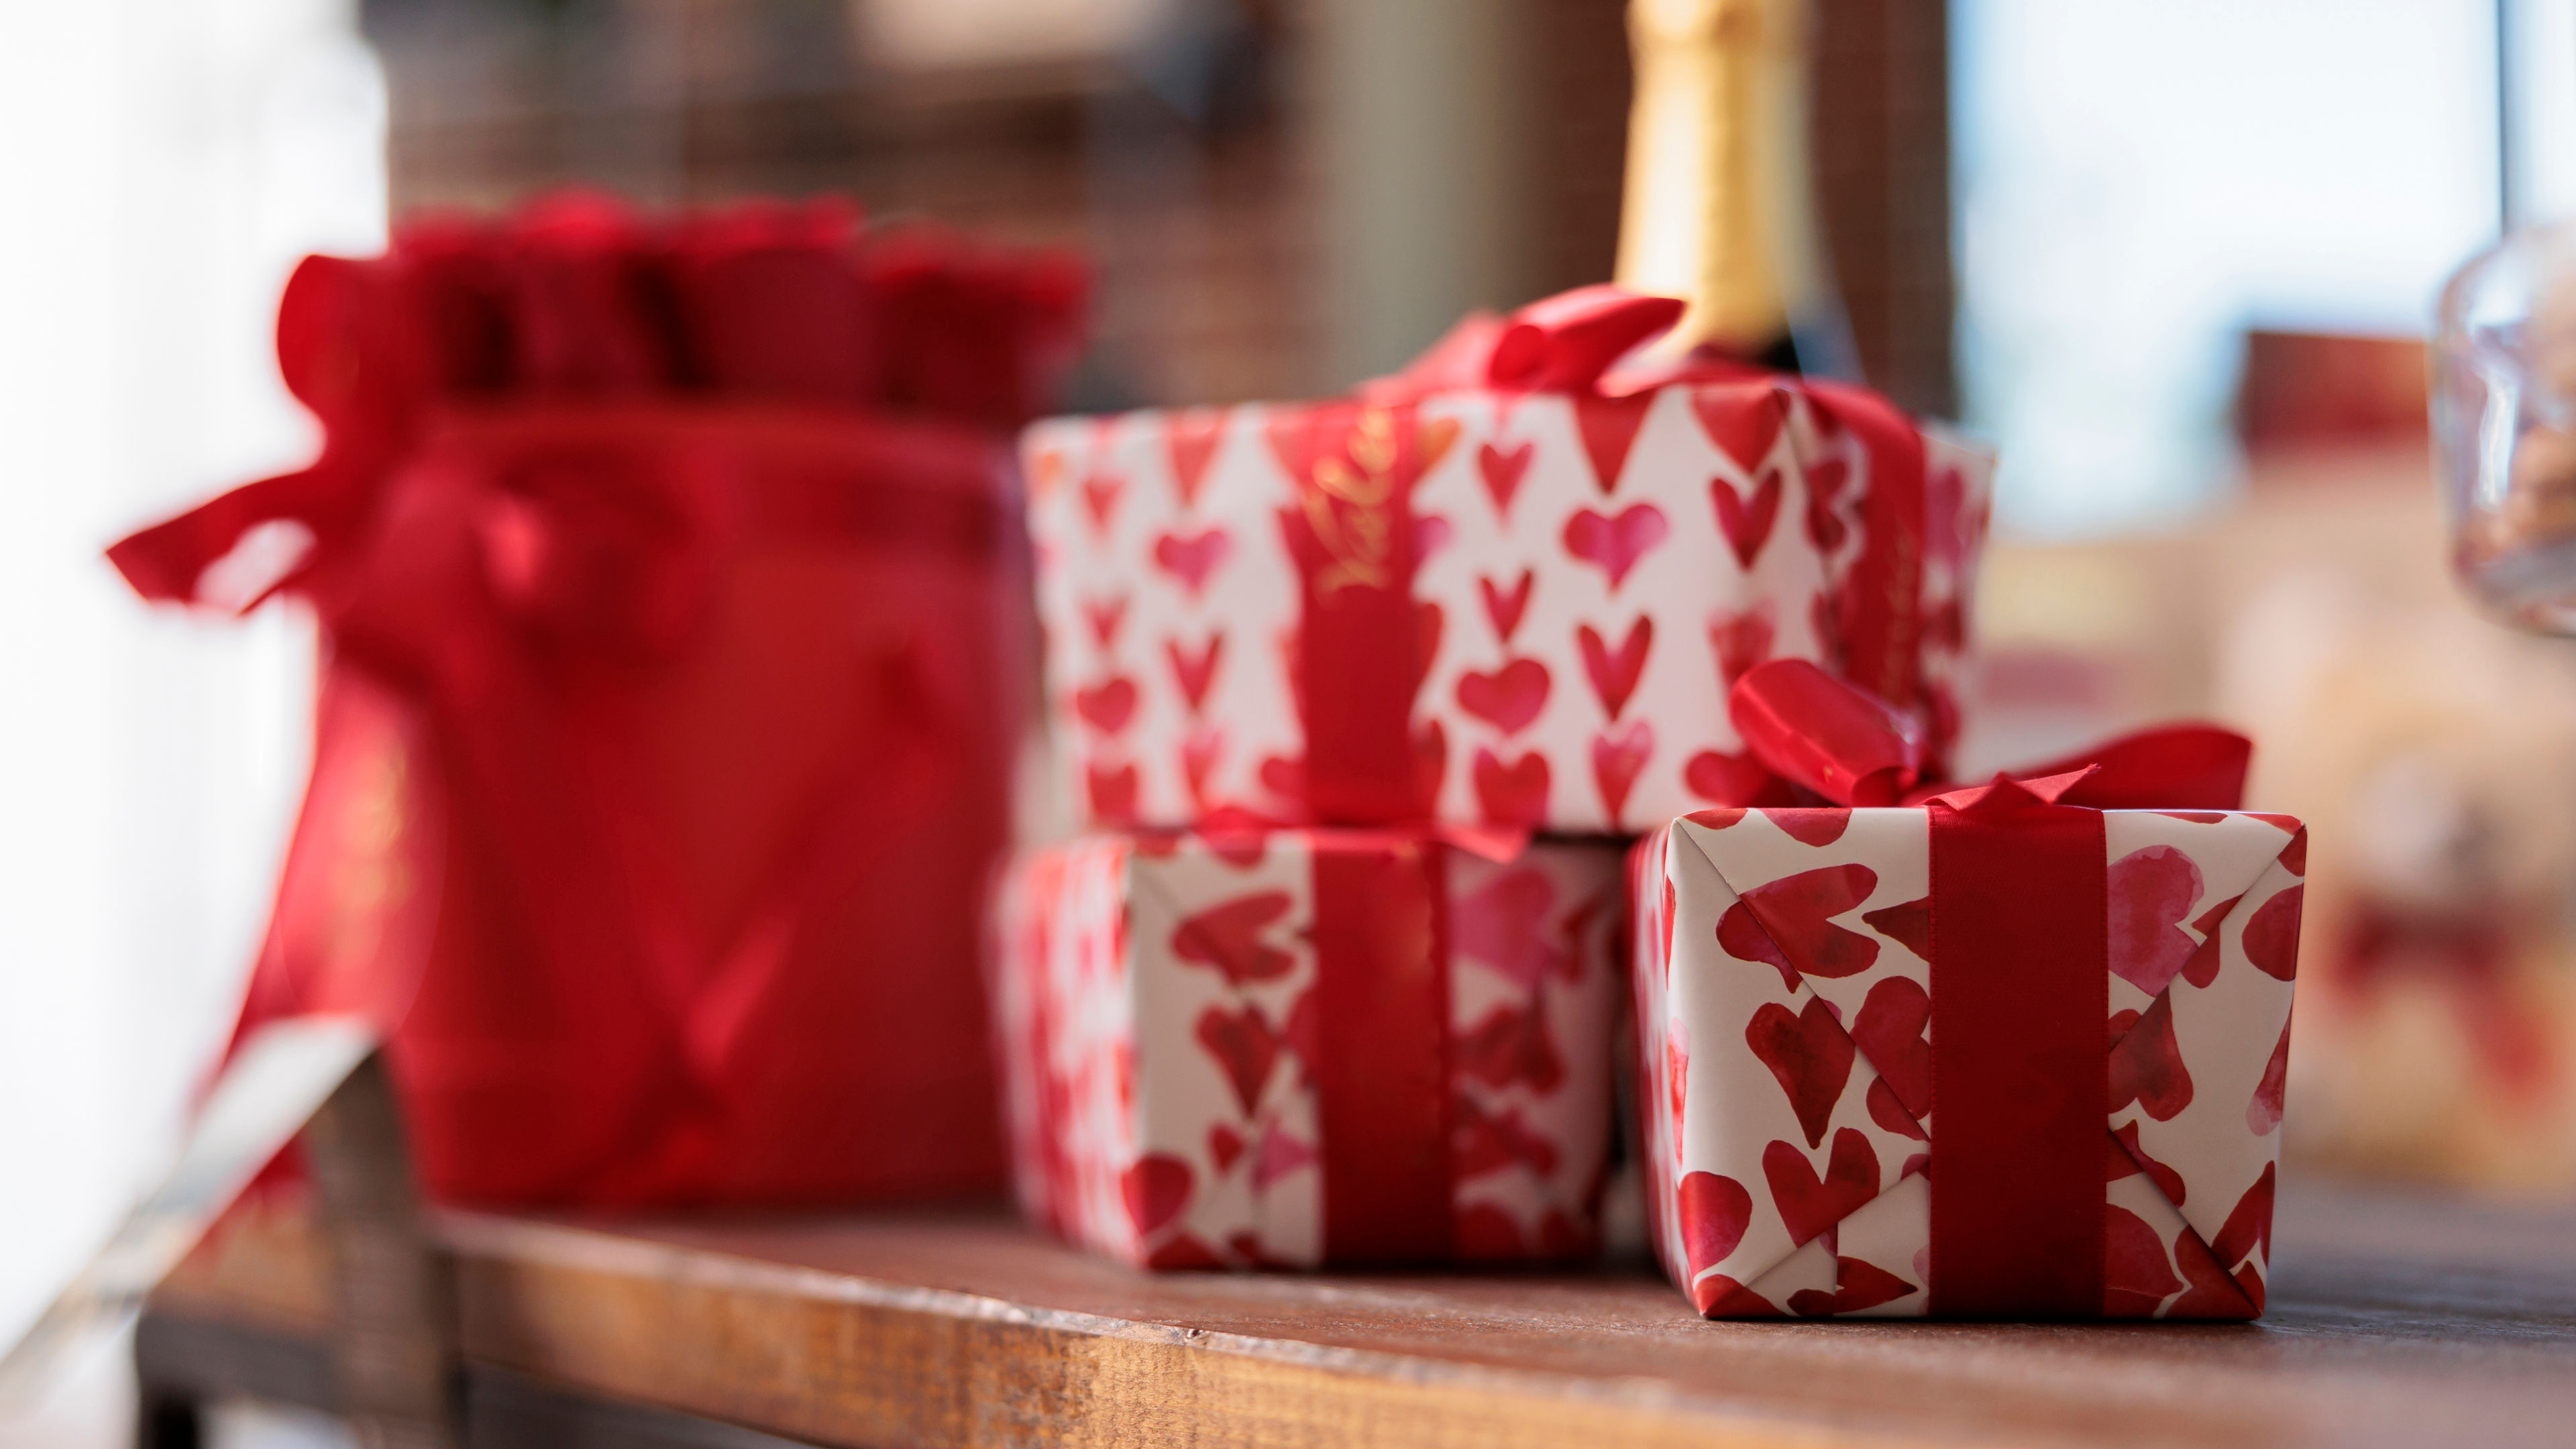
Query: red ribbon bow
{"x": 1818, "y": 734}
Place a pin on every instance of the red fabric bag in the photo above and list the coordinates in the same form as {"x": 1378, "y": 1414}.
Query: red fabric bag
{"x": 675, "y": 653}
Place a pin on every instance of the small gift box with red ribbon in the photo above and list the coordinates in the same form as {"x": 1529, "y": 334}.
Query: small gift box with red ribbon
{"x": 1506, "y": 588}
{"x": 2008, "y": 1051}
{"x": 1290, "y": 1048}
{"x": 670, "y": 584}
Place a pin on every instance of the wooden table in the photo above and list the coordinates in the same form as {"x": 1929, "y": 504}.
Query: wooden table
{"x": 2394, "y": 1320}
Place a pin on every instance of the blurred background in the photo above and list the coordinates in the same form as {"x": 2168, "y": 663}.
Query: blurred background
{"x": 2174, "y": 256}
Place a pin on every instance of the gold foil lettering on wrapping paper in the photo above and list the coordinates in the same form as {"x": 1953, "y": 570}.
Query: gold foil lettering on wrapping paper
{"x": 1351, "y": 506}
{"x": 370, "y": 881}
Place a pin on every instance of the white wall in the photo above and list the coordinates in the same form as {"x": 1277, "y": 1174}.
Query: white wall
{"x": 162, "y": 165}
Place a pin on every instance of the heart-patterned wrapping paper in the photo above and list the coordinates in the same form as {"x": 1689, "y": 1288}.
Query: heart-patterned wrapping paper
{"x": 1593, "y": 572}
{"x": 1782, "y": 981}
{"x": 1186, "y": 1089}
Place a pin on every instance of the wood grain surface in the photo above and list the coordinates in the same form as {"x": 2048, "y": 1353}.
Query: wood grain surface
{"x": 2394, "y": 1320}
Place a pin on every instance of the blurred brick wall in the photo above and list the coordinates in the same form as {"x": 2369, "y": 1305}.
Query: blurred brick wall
{"x": 1197, "y": 199}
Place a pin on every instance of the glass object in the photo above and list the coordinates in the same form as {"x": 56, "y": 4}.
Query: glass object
{"x": 2504, "y": 426}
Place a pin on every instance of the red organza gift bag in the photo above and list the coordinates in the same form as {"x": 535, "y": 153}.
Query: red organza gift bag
{"x": 676, "y": 650}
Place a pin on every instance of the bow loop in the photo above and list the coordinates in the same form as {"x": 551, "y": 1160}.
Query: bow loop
{"x": 1564, "y": 343}
{"x": 1813, "y": 730}
{"x": 1837, "y": 741}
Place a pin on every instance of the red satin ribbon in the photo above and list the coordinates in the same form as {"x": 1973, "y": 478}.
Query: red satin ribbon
{"x": 1361, "y": 652}
{"x": 2020, "y": 1093}
{"x": 1822, "y": 735}
{"x": 1382, "y": 1033}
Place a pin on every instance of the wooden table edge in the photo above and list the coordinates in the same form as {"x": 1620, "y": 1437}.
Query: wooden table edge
{"x": 1214, "y": 1388}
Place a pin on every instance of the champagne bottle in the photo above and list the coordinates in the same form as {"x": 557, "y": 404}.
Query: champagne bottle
{"x": 1719, "y": 204}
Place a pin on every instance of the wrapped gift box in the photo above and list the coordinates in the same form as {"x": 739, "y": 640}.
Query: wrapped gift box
{"x": 1300, "y": 1047}
{"x": 1873, "y": 1073}
{"x": 669, "y": 582}
{"x": 1497, "y": 592}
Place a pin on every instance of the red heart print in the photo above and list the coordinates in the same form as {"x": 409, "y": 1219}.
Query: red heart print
{"x": 1718, "y": 1296}
{"x": 1785, "y": 923}
{"x": 2146, "y": 1062}
{"x": 1614, "y": 545}
{"x": 1715, "y": 1211}
{"x": 1107, "y": 706}
{"x": 1509, "y": 699}
{"x": 2151, "y": 894}
{"x": 1891, "y": 1115}
{"x": 1809, "y": 826}
{"x": 1227, "y": 936}
{"x": 1245, "y": 1046}
{"x": 2249, "y": 1223}
{"x": 1503, "y": 473}
{"x": 2272, "y": 936}
{"x": 1908, "y": 924}
{"x": 1192, "y": 437}
{"x": 1741, "y": 640}
{"x": 1510, "y": 1045}
{"x": 1183, "y": 1253}
{"x": 1615, "y": 672}
{"x": 1618, "y": 757}
{"x": 1503, "y": 923}
{"x": 2212, "y": 1295}
{"x": 1809, "y": 1205}
{"x": 1504, "y": 610}
{"x": 1747, "y": 525}
{"x": 2137, "y": 1273}
{"x": 1825, "y": 528}
{"x": 2294, "y": 856}
{"x": 1889, "y": 1032}
{"x": 2202, "y": 968}
{"x": 1513, "y": 795}
{"x": 1113, "y": 792}
{"x": 1194, "y": 671}
{"x": 1279, "y": 1154}
{"x": 1199, "y": 755}
{"x": 1825, "y": 479}
{"x": 1857, "y": 1285}
{"x": 1284, "y": 778}
{"x": 1676, "y": 1078}
{"x": 1192, "y": 557}
{"x": 1735, "y": 781}
{"x": 1809, "y": 1053}
{"x": 1100, "y": 499}
{"x": 1742, "y": 418}
{"x": 1225, "y": 1147}
{"x": 1483, "y": 1142}
{"x": 2263, "y": 1113}
{"x": 1608, "y": 426}
{"x": 1104, "y": 618}
{"x": 1430, "y": 531}
{"x": 2128, "y": 1156}
{"x": 1157, "y": 1186}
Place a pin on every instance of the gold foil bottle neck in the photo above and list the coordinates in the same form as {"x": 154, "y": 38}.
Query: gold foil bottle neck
{"x": 1717, "y": 202}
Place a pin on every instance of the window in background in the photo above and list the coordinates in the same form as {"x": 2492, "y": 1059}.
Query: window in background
{"x": 2140, "y": 181}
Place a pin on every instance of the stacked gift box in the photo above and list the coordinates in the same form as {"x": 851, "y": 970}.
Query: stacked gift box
{"x": 671, "y": 587}
{"x": 1361, "y": 695}
{"x": 1366, "y": 701}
